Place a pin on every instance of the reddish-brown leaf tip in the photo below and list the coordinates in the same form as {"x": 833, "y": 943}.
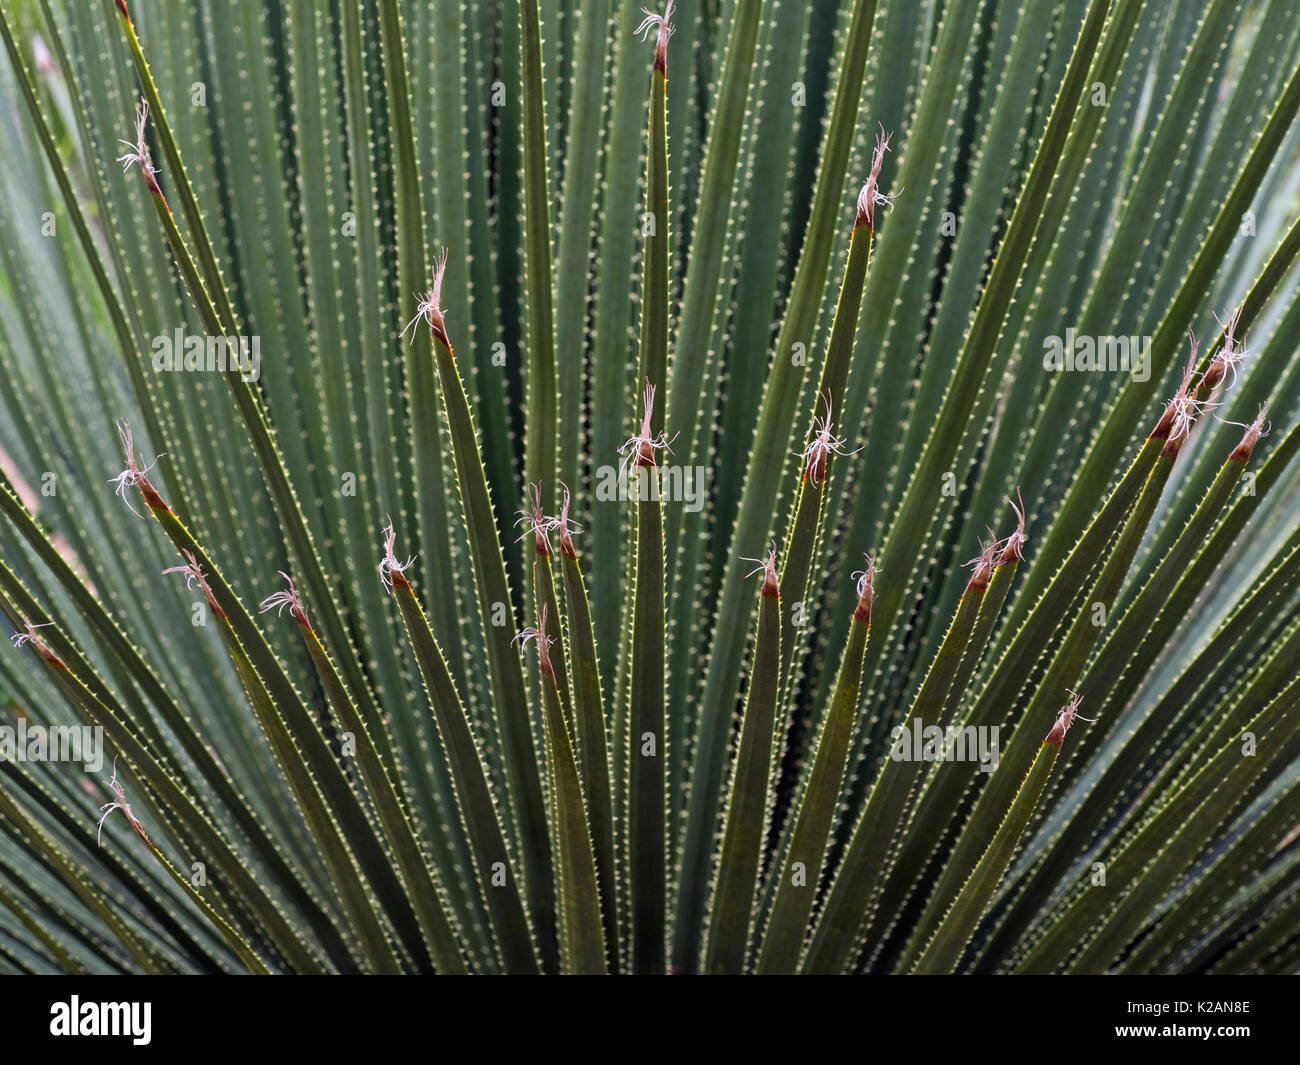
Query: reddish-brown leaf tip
{"x": 652, "y": 23}
{"x": 871, "y": 197}
{"x": 767, "y": 566}
{"x": 1184, "y": 408}
{"x": 1232, "y": 352}
{"x": 538, "y": 635}
{"x": 566, "y": 541}
{"x": 30, "y": 636}
{"x": 982, "y": 565}
{"x": 1242, "y": 452}
{"x": 822, "y": 444}
{"x": 640, "y": 449}
{"x": 135, "y": 474}
{"x": 152, "y": 498}
{"x": 866, "y": 591}
{"x": 392, "y": 572}
{"x": 194, "y": 574}
{"x": 1013, "y": 546}
{"x": 1065, "y": 719}
{"x": 287, "y": 597}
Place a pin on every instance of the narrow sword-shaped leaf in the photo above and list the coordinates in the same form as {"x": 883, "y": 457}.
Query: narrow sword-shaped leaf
{"x": 800, "y": 874}
{"x": 849, "y": 904}
{"x": 647, "y": 732}
{"x": 706, "y": 278}
{"x": 422, "y": 882}
{"x": 592, "y": 735}
{"x": 478, "y": 809}
{"x": 278, "y": 480}
{"x": 749, "y": 801}
{"x": 510, "y": 703}
{"x": 582, "y": 946}
{"x": 647, "y": 739}
{"x": 944, "y": 950}
{"x": 540, "y": 435}
{"x": 1063, "y": 669}
{"x": 1097, "y": 924}
{"x": 573, "y": 254}
{"x": 803, "y": 527}
{"x": 281, "y": 932}
{"x": 310, "y": 766}
{"x": 1110, "y": 668}
{"x": 762, "y": 490}
{"x": 345, "y": 870}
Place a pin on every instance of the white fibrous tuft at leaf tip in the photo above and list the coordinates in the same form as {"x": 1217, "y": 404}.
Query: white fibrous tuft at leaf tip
{"x": 139, "y": 153}
{"x": 135, "y": 475}
{"x": 871, "y": 197}
{"x": 194, "y": 573}
{"x": 1253, "y": 432}
{"x": 653, "y": 23}
{"x": 428, "y": 305}
{"x": 984, "y": 562}
{"x": 1227, "y": 358}
{"x": 288, "y": 597}
{"x": 640, "y": 449}
{"x": 866, "y": 578}
{"x": 21, "y": 639}
{"x": 388, "y": 565}
{"x": 535, "y": 521}
{"x": 544, "y": 642}
{"x": 1066, "y": 718}
{"x": 1184, "y": 408}
{"x": 866, "y": 586}
{"x": 566, "y": 541}
{"x": 119, "y": 803}
{"x": 1013, "y": 546}
{"x": 822, "y": 443}
{"x": 766, "y": 566}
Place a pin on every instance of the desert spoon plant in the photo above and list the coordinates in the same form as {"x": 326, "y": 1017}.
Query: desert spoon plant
{"x": 304, "y": 304}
